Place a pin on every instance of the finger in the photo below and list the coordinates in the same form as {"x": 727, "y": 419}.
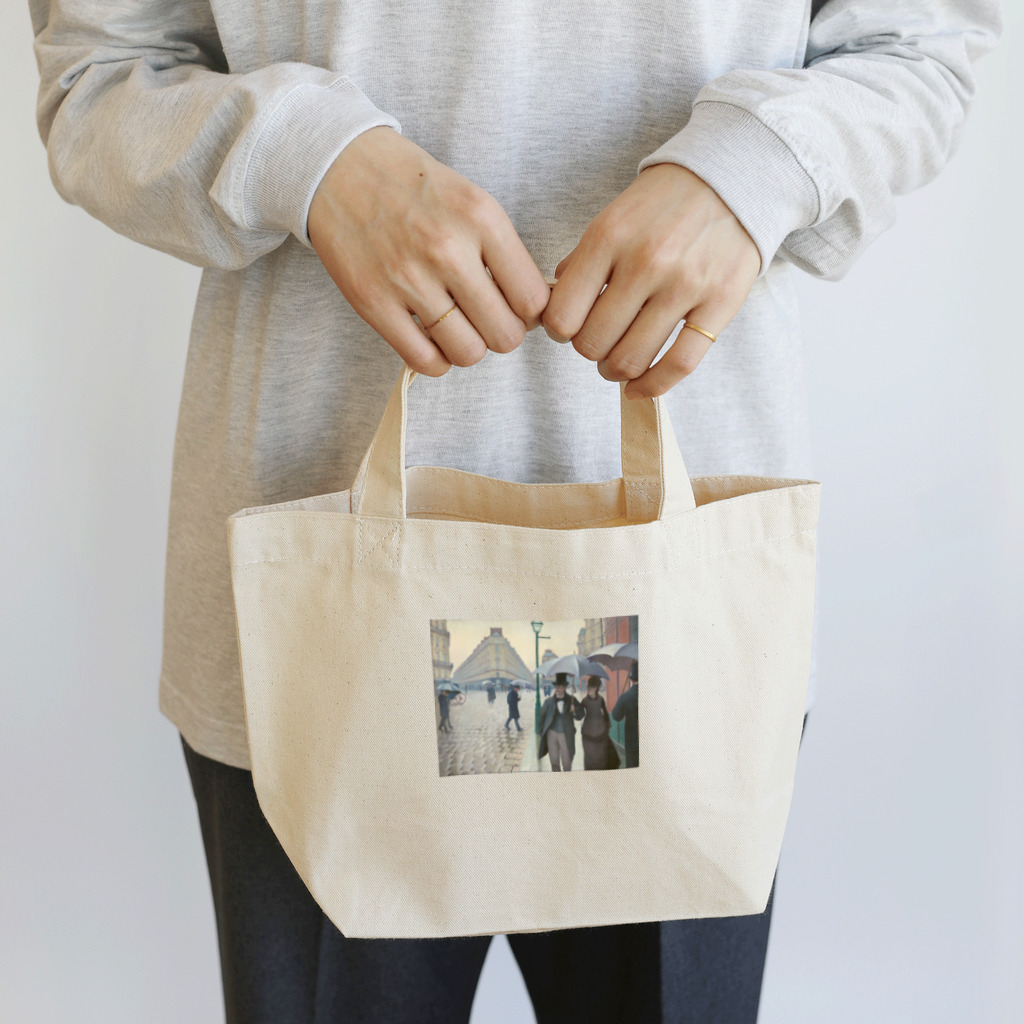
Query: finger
{"x": 684, "y": 356}
{"x": 552, "y": 281}
{"x": 394, "y": 324}
{"x": 611, "y": 316}
{"x": 514, "y": 272}
{"x": 564, "y": 262}
{"x": 450, "y": 329}
{"x": 486, "y": 308}
{"x": 580, "y": 280}
{"x": 633, "y": 354}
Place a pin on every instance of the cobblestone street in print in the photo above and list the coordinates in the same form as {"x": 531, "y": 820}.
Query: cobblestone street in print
{"x": 478, "y": 741}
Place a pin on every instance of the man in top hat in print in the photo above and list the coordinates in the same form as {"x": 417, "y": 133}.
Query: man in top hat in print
{"x": 557, "y": 728}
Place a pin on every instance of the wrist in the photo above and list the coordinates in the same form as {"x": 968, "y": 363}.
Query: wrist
{"x": 356, "y": 166}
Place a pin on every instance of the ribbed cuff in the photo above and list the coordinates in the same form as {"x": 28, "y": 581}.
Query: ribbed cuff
{"x": 750, "y": 168}
{"x": 299, "y": 142}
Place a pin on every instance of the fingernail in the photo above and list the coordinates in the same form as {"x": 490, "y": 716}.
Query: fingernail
{"x": 555, "y": 337}
{"x": 602, "y": 368}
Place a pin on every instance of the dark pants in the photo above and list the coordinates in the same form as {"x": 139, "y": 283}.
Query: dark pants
{"x": 283, "y": 962}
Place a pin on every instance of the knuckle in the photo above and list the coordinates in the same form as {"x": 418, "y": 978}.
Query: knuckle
{"x": 723, "y": 295}
{"x": 534, "y": 306}
{"x": 704, "y": 285}
{"x": 656, "y": 256}
{"x": 588, "y": 347}
{"x": 475, "y": 205}
{"x": 426, "y": 363}
{"x": 403, "y": 279}
{"x": 507, "y": 340}
{"x": 604, "y": 232}
{"x": 445, "y": 251}
{"x": 467, "y": 353}
{"x": 624, "y": 366}
{"x": 559, "y": 323}
{"x": 362, "y": 295}
{"x": 682, "y": 363}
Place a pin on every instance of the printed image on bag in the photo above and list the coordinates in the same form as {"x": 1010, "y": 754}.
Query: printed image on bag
{"x": 494, "y": 714}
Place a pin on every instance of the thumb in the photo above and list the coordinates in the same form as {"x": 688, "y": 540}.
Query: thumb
{"x": 559, "y": 270}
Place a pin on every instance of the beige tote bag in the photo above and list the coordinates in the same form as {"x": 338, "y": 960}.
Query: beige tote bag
{"x": 391, "y": 634}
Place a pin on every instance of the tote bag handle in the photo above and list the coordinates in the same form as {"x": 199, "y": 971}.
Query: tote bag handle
{"x": 653, "y": 473}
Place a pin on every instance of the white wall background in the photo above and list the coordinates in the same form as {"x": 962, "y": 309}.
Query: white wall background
{"x": 900, "y": 891}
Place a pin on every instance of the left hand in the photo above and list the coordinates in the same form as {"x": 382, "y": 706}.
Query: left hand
{"x": 669, "y": 249}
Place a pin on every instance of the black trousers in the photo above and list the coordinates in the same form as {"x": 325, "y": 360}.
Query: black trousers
{"x": 283, "y": 962}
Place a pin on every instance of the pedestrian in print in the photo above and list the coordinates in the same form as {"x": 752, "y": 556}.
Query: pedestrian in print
{"x": 490, "y": 693}
{"x": 626, "y": 710}
{"x": 598, "y": 752}
{"x": 513, "y": 707}
{"x": 557, "y": 728}
{"x": 444, "y": 702}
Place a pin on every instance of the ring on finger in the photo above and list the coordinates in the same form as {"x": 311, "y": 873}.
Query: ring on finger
{"x": 699, "y": 330}
{"x": 430, "y": 327}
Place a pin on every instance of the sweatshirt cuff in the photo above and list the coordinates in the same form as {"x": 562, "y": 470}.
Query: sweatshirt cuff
{"x": 300, "y": 140}
{"x": 750, "y": 168}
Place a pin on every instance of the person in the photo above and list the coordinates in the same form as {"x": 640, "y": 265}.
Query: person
{"x": 513, "y": 707}
{"x": 626, "y": 710}
{"x": 556, "y": 734}
{"x": 443, "y": 702}
{"x": 594, "y": 732}
{"x": 367, "y": 184}
{"x": 490, "y": 693}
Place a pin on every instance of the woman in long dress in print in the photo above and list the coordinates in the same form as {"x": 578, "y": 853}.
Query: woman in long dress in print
{"x": 594, "y": 731}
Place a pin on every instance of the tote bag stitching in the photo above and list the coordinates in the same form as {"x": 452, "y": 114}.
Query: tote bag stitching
{"x": 663, "y": 482}
{"x": 393, "y": 563}
{"x": 362, "y": 554}
{"x": 778, "y": 484}
{"x": 618, "y": 575}
{"x": 569, "y": 523}
{"x": 517, "y": 484}
{"x": 702, "y": 509}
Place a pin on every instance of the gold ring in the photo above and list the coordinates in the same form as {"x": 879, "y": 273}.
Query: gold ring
{"x": 699, "y": 330}
{"x": 440, "y": 318}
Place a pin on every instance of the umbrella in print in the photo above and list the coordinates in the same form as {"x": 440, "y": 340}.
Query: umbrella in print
{"x": 616, "y": 656}
{"x": 575, "y": 665}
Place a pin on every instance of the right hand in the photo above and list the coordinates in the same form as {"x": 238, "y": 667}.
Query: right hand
{"x": 400, "y": 233}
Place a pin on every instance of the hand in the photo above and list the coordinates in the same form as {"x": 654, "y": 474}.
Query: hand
{"x": 402, "y": 234}
{"x": 668, "y": 249}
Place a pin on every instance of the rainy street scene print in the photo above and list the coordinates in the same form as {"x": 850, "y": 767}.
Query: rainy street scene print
{"x": 535, "y": 696}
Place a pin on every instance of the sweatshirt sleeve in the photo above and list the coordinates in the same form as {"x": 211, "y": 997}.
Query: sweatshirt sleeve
{"x": 809, "y": 159}
{"x": 147, "y": 130}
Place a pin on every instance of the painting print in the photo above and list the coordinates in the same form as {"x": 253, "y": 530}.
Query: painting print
{"x": 536, "y": 696}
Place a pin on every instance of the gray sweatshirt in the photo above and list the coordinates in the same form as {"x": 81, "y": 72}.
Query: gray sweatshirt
{"x": 202, "y": 128}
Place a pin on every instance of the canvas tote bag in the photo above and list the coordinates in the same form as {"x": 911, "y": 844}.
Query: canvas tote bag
{"x": 344, "y": 602}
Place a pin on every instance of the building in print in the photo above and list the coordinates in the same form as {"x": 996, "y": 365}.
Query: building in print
{"x": 440, "y": 643}
{"x": 494, "y": 660}
{"x": 591, "y": 637}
